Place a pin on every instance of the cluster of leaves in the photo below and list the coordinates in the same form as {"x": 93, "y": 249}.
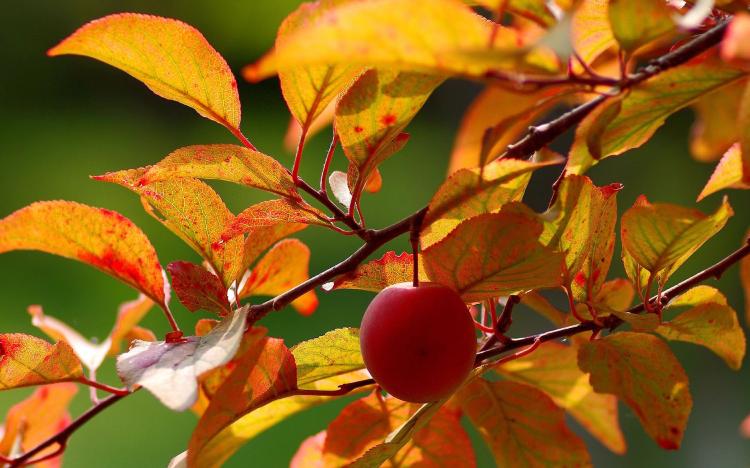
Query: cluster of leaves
{"x": 364, "y": 67}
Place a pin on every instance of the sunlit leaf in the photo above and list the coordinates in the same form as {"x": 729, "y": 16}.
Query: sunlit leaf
{"x": 647, "y": 105}
{"x": 284, "y": 266}
{"x": 727, "y": 174}
{"x": 661, "y": 237}
{"x": 193, "y": 211}
{"x": 335, "y": 353}
{"x": 102, "y": 238}
{"x": 265, "y": 372}
{"x": 26, "y": 360}
{"x": 470, "y": 192}
{"x": 716, "y": 127}
{"x": 310, "y": 452}
{"x": 743, "y": 122}
{"x": 309, "y": 90}
{"x": 637, "y": 22}
{"x": 260, "y": 238}
{"x": 129, "y": 314}
{"x": 508, "y": 112}
{"x": 37, "y": 418}
{"x": 339, "y": 182}
{"x": 712, "y": 325}
{"x": 273, "y": 212}
{"x": 538, "y": 11}
{"x": 553, "y": 368}
{"x": 642, "y": 371}
{"x": 90, "y": 354}
{"x": 735, "y": 48}
{"x": 745, "y": 279}
{"x": 230, "y": 163}
{"x": 593, "y": 272}
{"x": 198, "y": 288}
{"x": 170, "y": 57}
{"x": 378, "y": 274}
{"x": 441, "y": 442}
{"x": 450, "y": 38}
{"x": 521, "y": 425}
{"x": 591, "y": 33}
{"x": 493, "y": 255}
{"x": 170, "y": 370}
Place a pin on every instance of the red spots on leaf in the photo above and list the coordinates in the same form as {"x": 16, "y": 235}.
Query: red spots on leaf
{"x": 110, "y": 261}
{"x": 580, "y": 279}
{"x": 358, "y": 129}
{"x": 152, "y": 194}
{"x": 114, "y": 215}
{"x": 611, "y": 189}
{"x": 388, "y": 119}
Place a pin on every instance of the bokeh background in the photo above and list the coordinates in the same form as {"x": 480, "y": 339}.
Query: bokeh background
{"x": 64, "y": 119}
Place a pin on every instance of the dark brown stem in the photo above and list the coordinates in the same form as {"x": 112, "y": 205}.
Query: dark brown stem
{"x": 61, "y": 438}
{"x": 416, "y": 227}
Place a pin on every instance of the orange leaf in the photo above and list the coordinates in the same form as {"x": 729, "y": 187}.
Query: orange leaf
{"x": 170, "y": 57}
{"x": 743, "y": 122}
{"x": 310, "y": 453}
{"x": 727, "y": 174}
{"x": 40, "y": 416}
{"x": 591, "y": 33}
{"x": 716, "y": 127}
{"x": 647, "y": 105}
{"x": 262, "y": 237}
{"x": 129, "y": 315}
{"x": 193, "y": 211}
{"x": 261, "y": 375}
{"x": 381, "y": 273}
{"x": 534, "y": 10}
{"x": 362, "y": 425}
{"x": 26, "y": 360}
{"x": 273, "y": 212}
{"x": 494, "y": 255}
{"x": 521, "y": 425}
{"x": 553, "y": 369}
{"x": 229, "y": 163}
{"x": 198, "y": 288}
{"x": 373, "y": 112}
{"x": 735, "y": 48}
{"x": 102, "y": 238}
{"x": 641, "y": 370}
{"x": 470, "y": 192}
{"x": 283, "y": 267}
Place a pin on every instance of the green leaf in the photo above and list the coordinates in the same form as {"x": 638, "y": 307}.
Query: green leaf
{"x": 99, "y": 237}
{"x": 335, "y": 353}
{"x": 470, "y": 192}
{"x": 229, "y": 163}
{"x": 637, "y": 22}
{"x": 170, "y": 370}
{"x": 646, "y": 106}
{"x": 26, "y": 360}
{"x": 553, "y": 368}
{"x": 170, "y": 57}
{"x": 641, "y": 370}
{"x": 521, "y": 425}
{"x": 660, "y": 237}
{"x": 493, "y": 255}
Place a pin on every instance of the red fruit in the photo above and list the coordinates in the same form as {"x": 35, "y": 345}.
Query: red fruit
{"x": 419, "y": 342}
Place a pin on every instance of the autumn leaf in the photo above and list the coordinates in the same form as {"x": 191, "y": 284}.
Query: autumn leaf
{"x": 26, "y": 360}
{"x": 193, "y": 211}
{"x": 641, "y": 370}
{"x": 170, "y": 370}
{"x": 310, "y": 453}
{"x": 129, "y": 314}
{"x": 372, "y": 114}
{"x": 309, "y": 90}
{"x": 284, "y": 266}
{"x": 470, "y": 192}
{"x": 745, "y": 279}
{"x": 170, "y": 57}
{"x": 660, "y": 237}
{"x": 635, "y": 23}
{"x": 734, "y": 47}
{"x": 539, "y": 304}
{"x": 198, "y": 288}
{"x": 260, "y": 238}
{"x": 534, "y": 10}
{"x": 335, "y": 353}
{"x": 710, "y": 324}
{"x": 90, "y": 354}
{"x": 727, "y": 174}
{"x": 378, "y": 274}
{"x": 366, "y": 422}
{"x": 743, "y": 121}
{"x": 273, "y": 212}
{"x": 647, "y": 105}
{"x": 451, "y": 38}
{"x": 509, "y": 112}
{"x": 553, "y": 368}
{"x": 716, "y": 127}
{"x": 99, "y": 237}
{"x": 521, "y": 425}
{"x": 230, "y": 163}
{"x": 493, "y": 255}
{"x": 591, "y": 33}
{"x": 37, "y": 418}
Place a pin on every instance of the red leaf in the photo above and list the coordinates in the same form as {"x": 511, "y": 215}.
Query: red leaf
{"x": 198, "y": 288}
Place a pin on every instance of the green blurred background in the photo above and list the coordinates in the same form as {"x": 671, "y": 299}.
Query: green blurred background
{"x": 67, "y": 118}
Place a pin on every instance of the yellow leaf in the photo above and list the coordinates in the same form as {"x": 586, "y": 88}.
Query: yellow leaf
{"x": 333, "y": 354}
{"x": 716, "y": 127}
{"x": 635, "y": 23}
{"x": 26, "y": 360}
{"x": 378, "y": 274}
{"x": 727, "y": 174}
{"x": 590, "y": 30}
